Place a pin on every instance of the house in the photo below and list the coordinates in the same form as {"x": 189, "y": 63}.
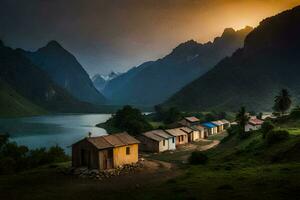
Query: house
{"x": 157, "y": 141}
{"x": 171, "y": 139}
{"x": 193, "y": 134}
{"x": 203, "y": 132}
{"x": 253, "y": 124}
{"x": 189, "y": 121}
{"x": 105, "y": 152}
{"x": 181, "y": 136}
{"x": 226, "y": 124}
{"x": 219, "y": 125}
{"x": 211, "y": 128}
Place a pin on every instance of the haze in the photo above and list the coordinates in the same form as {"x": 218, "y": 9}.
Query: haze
{"x": 116, "y": 35}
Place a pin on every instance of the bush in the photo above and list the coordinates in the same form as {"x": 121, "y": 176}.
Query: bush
{"x": 295, "y": 114}
{"x": 197, "y": 157}
{"x": 266, "y": 128}
{"x": 15, "y": 158}
{"x": 276, "y": 136}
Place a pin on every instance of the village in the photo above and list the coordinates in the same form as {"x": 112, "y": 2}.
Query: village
{"x": 109, "y": 155}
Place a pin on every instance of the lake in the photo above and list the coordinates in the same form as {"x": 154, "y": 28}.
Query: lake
{"x": 49, "y": 130}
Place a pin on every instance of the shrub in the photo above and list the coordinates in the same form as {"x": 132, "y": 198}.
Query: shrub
{"x": 295, "y": 114}
{"x": 197, "y": 157}
{"x": 276, "y": 136}
{"x": 266, "y": 128}
{"x": 15, "y": 158}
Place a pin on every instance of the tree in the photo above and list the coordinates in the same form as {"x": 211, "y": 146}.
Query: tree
{"x": 283, "y": 102}
{"x": 131, "y": 120}
{"x": 242, "y": 119}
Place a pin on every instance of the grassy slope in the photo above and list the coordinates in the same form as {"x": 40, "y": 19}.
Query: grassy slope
{"x": 237, "y": 169}
{"x": 12, "y": 104}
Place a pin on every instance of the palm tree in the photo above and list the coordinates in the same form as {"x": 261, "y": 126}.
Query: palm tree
{"x": 242, "y": 118}
{"x": 282, "y": 101}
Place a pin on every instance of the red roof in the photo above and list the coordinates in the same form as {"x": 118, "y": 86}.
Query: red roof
{"x": 256, "y": 121}
{"x": 192, "y": 119}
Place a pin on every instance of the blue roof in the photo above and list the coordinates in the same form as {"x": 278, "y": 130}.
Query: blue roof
{"x": 209, "y": 125}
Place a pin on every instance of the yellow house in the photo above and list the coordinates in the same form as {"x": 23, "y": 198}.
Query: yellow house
{"x": 105, "y": 152}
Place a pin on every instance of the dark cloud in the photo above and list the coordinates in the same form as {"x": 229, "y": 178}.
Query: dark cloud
{"x": 110, "y": 35}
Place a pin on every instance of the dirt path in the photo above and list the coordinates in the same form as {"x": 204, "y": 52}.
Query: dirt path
{"x": 209, "y": 146}
{"x": 194, "y": 147}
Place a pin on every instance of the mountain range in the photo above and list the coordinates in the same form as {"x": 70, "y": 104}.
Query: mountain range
{"x": 66, "y": 71}
{"x": 254, "y": 74}
{"x": 100, "y": 81}
{"x": 154, "y": 82}
{"x": 27, "y": 89}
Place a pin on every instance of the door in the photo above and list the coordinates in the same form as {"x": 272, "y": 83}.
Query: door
{"x": 108, "y": 159}
{"x": 85, "y": 157}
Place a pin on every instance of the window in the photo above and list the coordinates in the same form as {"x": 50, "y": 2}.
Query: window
{"x": 127, "y": 150}
{"x": 173, "y": 140}
{"x": 164, "y": 142}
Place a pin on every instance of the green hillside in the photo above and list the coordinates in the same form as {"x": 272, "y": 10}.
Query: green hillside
{"x": 241, "y": 169}
{"x": 12, "y": 104}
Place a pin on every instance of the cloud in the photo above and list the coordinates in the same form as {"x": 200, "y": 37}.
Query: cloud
{"x": 118, "y": 34}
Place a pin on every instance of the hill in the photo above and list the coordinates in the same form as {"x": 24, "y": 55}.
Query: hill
{"x": 12, "y": 104}
{"x": 64, "y": 69}
{"x": 253, "y": 75}
{"x": 33, "y": 84}
{"x": 153, "y": 82}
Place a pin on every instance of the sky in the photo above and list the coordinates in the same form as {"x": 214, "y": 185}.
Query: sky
{"x": 115, "y": 35}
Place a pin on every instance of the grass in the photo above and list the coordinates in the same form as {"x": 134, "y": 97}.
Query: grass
{"x": 179, "y": 156}
{"x": 156, "y": 125}
{"x": 237, "y": 169}
{"x": 13, "y": 104}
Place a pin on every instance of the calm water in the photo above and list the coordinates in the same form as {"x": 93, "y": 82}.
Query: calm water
{"x": 46, "y": 131}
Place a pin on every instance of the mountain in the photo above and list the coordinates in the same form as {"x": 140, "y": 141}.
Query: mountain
{"x": 153, "y": 82}
{"x": 66, "y": 71}
{"x": 27, "y": 82}
{"x": 13, "y": 104}
{"x": 253, "y": 75}
{"x": 100, "y": 81}
{"x": 111, "y": 76}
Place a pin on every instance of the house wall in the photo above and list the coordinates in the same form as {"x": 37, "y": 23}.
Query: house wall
{"x": 172, "y": 143}
{"x": 250, "y": 127}
{"x": 163, "y": 147}
{"x": 181, "y": 139}
{"x": 220, "y": 128}
{"x": 148, "y": 144}
{"x": 90, "y": 155}
{"x": 196, "y": 135}
{"x": 201, "y": 134}
{"x": 121, "y": 158}
{"x": 215, "y": 130}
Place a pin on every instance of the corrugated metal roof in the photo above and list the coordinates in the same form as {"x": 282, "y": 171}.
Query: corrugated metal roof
{"x": 186, "y": 129}
{"x": 99, "y": 142}
{"x": 218, "y": 123}
{"x": 192, "y": 119}
{"x": 198, "y": 127}
{"x": 152, "y": 135}
{"x": 208, "y": 125}
{"x": 110, "y": 141}
{"x": 224, "y": 121}
{"x": 127, "y": 139}
{"x": 256, "y": 121}
{"x": 176, "y": 132}
{"x": 163, "y": 134}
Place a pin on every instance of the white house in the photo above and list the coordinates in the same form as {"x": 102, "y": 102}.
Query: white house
{"x": 253, "y": 124}
{"x": 157, "y": 141}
